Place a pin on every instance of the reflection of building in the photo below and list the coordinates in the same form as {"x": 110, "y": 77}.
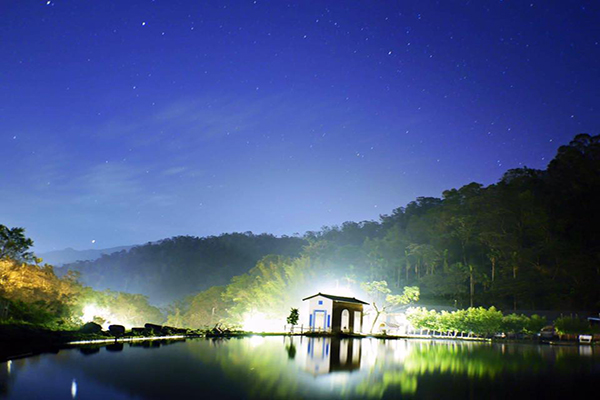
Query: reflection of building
{"x": 335, "y": 313}
{"x": 326, "y": 355}
{"x": 317, "y": 355}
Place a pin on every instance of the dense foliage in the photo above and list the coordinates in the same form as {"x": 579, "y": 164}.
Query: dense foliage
{"x": 530, "y": 241}
{"x": 269, "y": 288}
{"x": 33, "y": 294}
{"x": 476, "y": 320}
{"x": 14, "y": 244}
{"x": 173, "y": 268}
{"x": 292, "y": 319}
{"x": 574, "y": 325}
{"x": 382, "y": 297}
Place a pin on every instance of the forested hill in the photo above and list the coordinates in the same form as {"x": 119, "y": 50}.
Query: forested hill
{"x": 173, "y": 268}
{"x": 530, "y": 241}
{"x": 69, "y": 255}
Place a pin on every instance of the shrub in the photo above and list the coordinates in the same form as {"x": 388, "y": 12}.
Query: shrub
{"x": 513, "y": 323}
{"x": 572, "y": 325}
{"x": 477, "y": 320}
{"x": 421, "y": 318}
{"x": 484, "y": 322}
{"x": 535, "y": 324}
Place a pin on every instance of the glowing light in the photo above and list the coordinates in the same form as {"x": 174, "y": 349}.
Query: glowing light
{"x": 337, "y": 287}
{"x": 9, "y": 366}
{"x": 256, "y": 341}
{"x": 73, "y": 388}
{"x": 135, "y": 339}
{"x": 92, "y": 311}
{"x": 258, "y": 322}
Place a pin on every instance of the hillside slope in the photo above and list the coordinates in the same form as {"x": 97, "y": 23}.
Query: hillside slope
{"x": 70, "y": 255}
{"x": 174, "y": 268}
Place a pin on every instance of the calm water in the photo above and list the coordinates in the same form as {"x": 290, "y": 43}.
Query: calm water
{"x": 310, "y": 368}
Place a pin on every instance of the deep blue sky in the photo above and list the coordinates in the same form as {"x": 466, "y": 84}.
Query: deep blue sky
{"x": 129, "y": 121}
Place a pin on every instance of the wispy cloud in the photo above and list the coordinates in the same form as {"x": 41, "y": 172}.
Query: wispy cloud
{"x": 174, "y": 171}
{"x": 112, "y": 182}
{"x": 191, "y": 120}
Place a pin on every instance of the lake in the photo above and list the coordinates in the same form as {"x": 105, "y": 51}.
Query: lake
{"x": 300, "y": 367}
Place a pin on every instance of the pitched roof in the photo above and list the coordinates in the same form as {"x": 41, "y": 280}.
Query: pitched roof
{"x": 338, "y": 298}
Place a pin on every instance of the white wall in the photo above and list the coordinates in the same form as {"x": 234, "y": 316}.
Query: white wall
{"x": 313, "y": 304}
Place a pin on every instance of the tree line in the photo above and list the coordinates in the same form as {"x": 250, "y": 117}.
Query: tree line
{"x": 32, "y": 293}
{"x": 529, "y": 241}
{"x": 175, "y": 267}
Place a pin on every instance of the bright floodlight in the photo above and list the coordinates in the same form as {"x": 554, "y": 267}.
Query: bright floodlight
{"x": 258, "y": 322}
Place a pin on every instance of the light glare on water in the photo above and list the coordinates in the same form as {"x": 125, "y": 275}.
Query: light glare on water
{"x": 303, "y": 367}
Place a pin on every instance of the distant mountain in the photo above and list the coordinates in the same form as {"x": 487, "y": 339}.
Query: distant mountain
{"x": 173, "y": 268}
{"x": 70, "y": 255}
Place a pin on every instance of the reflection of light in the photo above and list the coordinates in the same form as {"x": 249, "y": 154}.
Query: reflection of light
{"x": 369, "y": 352}
{"x": 258, "y": 322}
{"x": 134, "y": 339}
{"x": 9, "y": 366}
{"x": 73, "y": 388}
{"x": 585, "y": 350}
{"x": 256, "y": 341}
{"x": 401, "y": 350}
{"x": 340, "y": 378}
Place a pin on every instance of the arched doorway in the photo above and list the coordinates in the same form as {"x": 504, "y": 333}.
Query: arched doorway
{"x": 345, "y": 321}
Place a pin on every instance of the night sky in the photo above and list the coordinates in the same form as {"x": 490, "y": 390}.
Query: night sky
{"x": 123, "y": 122}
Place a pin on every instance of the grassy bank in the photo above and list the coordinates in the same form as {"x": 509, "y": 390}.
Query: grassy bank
{"x": 23, "y": 339}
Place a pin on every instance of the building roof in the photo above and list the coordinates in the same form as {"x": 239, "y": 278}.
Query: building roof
{"x": 338, "y": 298}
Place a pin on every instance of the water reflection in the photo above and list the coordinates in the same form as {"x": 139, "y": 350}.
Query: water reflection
{"x": 303, "y": 367}
{"x": 115, "y": 347}
{"x": 324, "y": 355}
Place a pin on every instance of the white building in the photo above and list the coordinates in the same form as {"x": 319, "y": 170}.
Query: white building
{"x": 329, "y": 313}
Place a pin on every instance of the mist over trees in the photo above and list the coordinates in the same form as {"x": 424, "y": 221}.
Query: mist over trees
{"x": 530, "y": 241}
{"x": 31, "y": 293}
{"x": 34, "y": 294}
{"x": 173, "y": 268}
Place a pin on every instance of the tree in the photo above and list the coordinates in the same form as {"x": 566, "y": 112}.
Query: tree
{"x": 292, "y": 319}
{"x": 15, "y": 245}
{"x": 380, "y": 293}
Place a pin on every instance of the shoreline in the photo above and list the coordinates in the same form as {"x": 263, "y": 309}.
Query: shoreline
{"x": 27, "y": 341}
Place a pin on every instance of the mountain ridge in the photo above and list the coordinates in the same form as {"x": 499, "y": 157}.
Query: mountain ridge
{"x": 171, "y": 269}
{"x": 69, "y": 255}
